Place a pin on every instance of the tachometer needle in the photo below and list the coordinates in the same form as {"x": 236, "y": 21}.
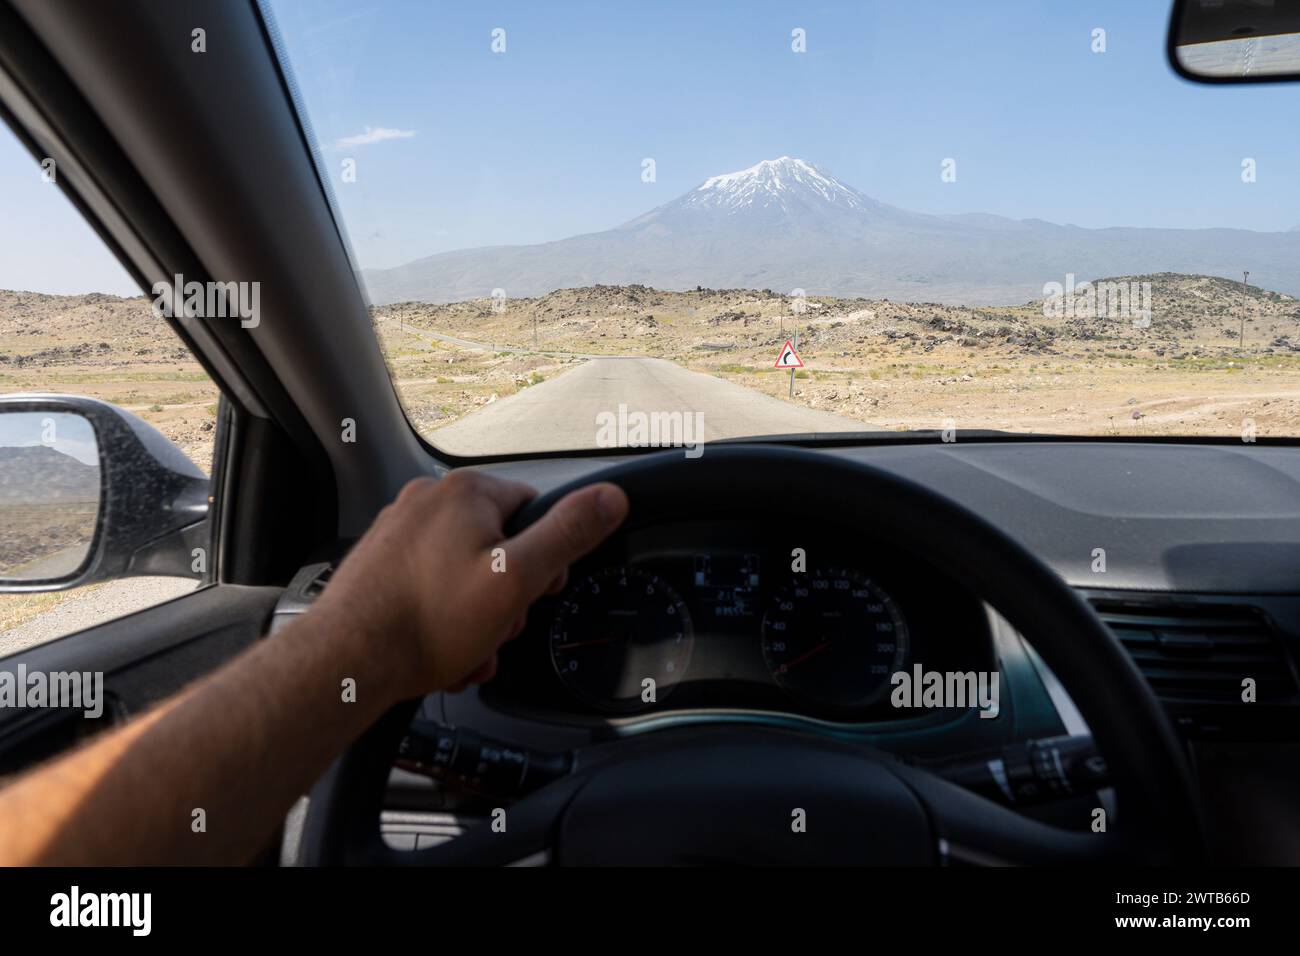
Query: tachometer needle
{"x": 805, "y": 656}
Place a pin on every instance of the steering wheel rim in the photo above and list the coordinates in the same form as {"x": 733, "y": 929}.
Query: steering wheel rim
{"x": 1161, "y": 819}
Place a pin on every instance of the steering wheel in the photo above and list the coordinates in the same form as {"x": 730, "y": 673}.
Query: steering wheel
{"x": 727, "y": 794}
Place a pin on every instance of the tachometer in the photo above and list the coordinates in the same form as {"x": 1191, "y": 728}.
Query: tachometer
{"x": 616, "y": 630}
{"x": 832, "y": 637}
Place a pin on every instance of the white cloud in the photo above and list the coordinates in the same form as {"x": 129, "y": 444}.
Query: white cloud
{"x": 373, "y": 134}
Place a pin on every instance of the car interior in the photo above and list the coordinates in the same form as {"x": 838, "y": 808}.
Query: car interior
{"x": 1127, "y": 609}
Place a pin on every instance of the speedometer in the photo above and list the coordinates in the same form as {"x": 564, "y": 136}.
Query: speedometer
{"x": 621, "y": 639}
{"x": 832, "y": 637}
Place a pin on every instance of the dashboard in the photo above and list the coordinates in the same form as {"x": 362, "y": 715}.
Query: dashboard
{"x": 1194, "y": 535}
{"x": 731, "y": 614}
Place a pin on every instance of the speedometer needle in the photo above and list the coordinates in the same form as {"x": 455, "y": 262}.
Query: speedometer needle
{"x": 598, "y": 640}
{"x": 805, "y": 656}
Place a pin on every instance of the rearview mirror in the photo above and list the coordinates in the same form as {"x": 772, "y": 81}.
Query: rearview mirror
{"x": 1235, "y": 41}
{"x": 89, "y": 492}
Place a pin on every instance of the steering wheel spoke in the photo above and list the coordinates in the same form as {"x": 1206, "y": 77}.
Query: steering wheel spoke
{"x": 973, "y": 830}
{"x": 527, "y": 836}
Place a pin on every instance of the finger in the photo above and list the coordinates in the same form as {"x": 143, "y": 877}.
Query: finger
{"x": 518, "y": 627}
{"x": 506, "y": 493}
{"x": 575, "y": 525}
{"x": 558, "y": 583}
{"x": 491, "y": 500}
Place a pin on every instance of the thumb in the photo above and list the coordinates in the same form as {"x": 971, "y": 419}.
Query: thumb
{"x": 574, "y": 526}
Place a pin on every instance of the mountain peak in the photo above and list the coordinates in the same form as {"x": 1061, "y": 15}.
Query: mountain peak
{"x": 773, "y": 182}
{"x": 764, "y": 168}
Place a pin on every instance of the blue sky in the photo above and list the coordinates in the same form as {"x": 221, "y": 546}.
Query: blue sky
{"x": 546, "y": 140}
{"x": 45, "y": 245}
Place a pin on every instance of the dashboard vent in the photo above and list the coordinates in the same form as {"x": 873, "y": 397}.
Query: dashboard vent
{"x": 1201, "y": 654}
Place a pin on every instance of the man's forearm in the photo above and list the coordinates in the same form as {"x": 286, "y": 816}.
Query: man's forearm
{"x": 419, "y": 603}
{"x": 240, "y": 746}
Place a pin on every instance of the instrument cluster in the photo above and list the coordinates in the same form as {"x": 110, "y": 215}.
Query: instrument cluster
{"x": 719, "y": 615}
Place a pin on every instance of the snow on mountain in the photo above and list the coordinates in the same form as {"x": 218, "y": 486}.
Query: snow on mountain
{"x": 773, "y": 182}
{"x": 778, "y": 197}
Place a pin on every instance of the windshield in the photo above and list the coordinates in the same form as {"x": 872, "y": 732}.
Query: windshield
{"x": 618, "y": 225}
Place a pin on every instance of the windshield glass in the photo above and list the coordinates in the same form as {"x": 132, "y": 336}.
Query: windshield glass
{"x": 597, "y": 224}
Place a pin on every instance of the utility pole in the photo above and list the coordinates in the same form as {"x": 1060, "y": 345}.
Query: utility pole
{"x": 1241, "y": 336}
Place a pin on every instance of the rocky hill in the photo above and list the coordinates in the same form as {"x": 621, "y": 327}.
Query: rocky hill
{"x": 112, "y": 348}
{"x": 1188, "y": 314}
{"x": 39, "y": 475}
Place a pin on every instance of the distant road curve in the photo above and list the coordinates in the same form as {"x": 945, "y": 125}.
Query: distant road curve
{"x": 489, "y": 346}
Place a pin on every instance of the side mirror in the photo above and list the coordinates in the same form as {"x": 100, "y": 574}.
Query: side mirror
{"x": 1235, "y": 41}
{"x": 89, "y": 492}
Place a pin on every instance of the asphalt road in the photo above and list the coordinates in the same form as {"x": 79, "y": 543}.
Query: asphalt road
{"x": 94, "y": 605}
{"x": 561, "y": 414}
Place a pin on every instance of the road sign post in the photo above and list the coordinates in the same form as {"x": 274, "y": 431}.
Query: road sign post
{"x": 789, "y": 358}
{"x": 794, "y": 347}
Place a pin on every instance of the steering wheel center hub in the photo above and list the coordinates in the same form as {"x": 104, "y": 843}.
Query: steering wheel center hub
{"x": 750, "y": 798}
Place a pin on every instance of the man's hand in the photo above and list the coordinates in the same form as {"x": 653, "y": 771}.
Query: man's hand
{"x": 429, "y": 589}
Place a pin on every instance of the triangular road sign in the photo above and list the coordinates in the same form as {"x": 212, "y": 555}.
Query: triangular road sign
{"x": 789, "y": 358}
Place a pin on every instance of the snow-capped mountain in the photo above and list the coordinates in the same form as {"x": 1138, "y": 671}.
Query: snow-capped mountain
{"x": 786, "y": 223}
{"x": 786, "y": 183}
{"x": 786, "y": 194}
